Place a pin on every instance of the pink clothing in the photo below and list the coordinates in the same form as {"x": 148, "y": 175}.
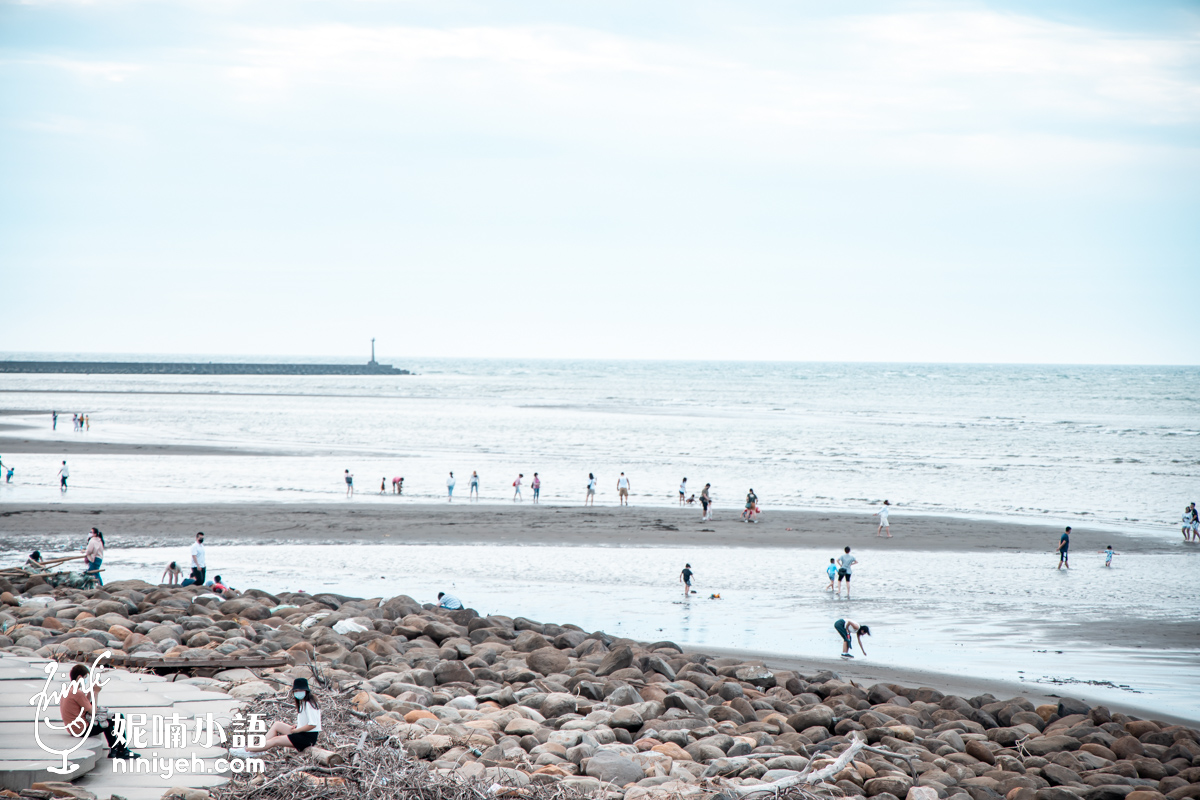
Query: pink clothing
{"x": 95, "y": 549}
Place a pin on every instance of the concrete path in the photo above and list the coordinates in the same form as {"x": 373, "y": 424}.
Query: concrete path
{"x": 23, "y": 763}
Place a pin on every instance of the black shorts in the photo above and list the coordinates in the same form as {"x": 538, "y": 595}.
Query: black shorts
{"x": 303, "y": 741}
{"x": 843, "y": 574}
{"x": 704, "y": 502}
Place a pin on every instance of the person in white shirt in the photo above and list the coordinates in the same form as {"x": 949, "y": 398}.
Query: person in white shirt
{"x": 199, "y": 565}
{"x": 845, "y": 562}
{"x": 448, "y": 602}
{"x": 882, "y": 513}
{"x": 517, "y": 487}
{"x": 63, "y": 474}
{"x": 300, "y": 736}
{"x": 450, "y": 486}
{"x": 845, "y": 627}
{"x": 590, "y": 499}
{"x": 683, "y": 491}
{"x": 623, "y": 489}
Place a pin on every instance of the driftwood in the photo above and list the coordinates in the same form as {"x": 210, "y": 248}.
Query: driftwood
{"x": 326, "y": 758}
{"x": 806, "y": 777}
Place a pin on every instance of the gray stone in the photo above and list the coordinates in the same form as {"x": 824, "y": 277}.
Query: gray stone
{"x": 620, "y": 658}
{"x": 609, "y": 767}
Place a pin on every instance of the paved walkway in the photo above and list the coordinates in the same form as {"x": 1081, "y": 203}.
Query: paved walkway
{"x": 22, "y": 763}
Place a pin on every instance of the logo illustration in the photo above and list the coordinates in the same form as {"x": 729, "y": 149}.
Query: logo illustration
{"x": 50, "y": 696}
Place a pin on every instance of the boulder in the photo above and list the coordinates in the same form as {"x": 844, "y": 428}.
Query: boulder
{"x": 627, "y": 718}
{"x": 452, "y": 672}
{"x": 609, "y": 767}
{"x": 1068, "y": 706}
{"x": 529, "y": 641}
{"x": 1059, "y": 776}
{"x": 547, "y": 660}
{"x": 813, "y": 716}
{"x": 897, "y": 785}
{"x": 978, "y": 750}
{"x": 619, "y": 658}
{"x": 1128, "y": 747}
{"x": 1046, "y": 745}
{"x": 557, "y": 704}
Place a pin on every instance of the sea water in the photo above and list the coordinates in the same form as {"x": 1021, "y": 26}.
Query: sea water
{"x": 998, "y": 615}
{"x": 1109, "y": 446}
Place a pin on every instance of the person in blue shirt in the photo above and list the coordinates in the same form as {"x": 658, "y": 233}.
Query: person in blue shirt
{"x": 1064, "y": 544}
{"x": 449, "y": 602}
{"x": 831, "y": 571}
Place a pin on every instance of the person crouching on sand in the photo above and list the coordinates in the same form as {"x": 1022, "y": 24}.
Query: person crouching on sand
{"x": 845, "y": 627}
{"x": 171, "y": 574}
{"x": 300, "y": 736}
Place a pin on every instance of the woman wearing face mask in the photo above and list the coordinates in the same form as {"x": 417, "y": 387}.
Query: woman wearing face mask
{"x": 300, "y": 736}
{"x": 94, "y": 555}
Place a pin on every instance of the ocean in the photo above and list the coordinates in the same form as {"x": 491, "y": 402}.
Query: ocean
{"x": 1110, "y": 447}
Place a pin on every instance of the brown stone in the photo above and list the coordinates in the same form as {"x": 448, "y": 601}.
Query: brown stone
{"x": 1128, "y": 747}
{"x": 980, "y": 751}
{"x": 418, "y": 714}
{"x": 1098, "y": 750}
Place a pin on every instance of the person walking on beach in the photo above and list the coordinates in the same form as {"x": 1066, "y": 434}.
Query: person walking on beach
{"x": 349, "y": 484}
{"x": 171, "y": 574}
{"x": 845, "y": 627}
{"x": 683, "y": 491}
{"x": 449, "y": 602}
{"x": 686, "y": 578}
{"x": 537, "y": 486}
{"x": 705, "y": 502}
{"x": 623, "y": 489}
{"x": 751, "y": 507}
{"x": 199, "y": 562}
{"x": 882, "y": 513}
{"x": 63, "y": 474}
{"x": 473, "y": 486}
{"x": 832, "y": 572}
{"x": 517, "y": 487}
{"x": 1064, "y": 544}
{"x": 1108, "y": 554}
{"x": 1187, "y": 524}
{"x": 845, "y": 563}
{"x": 590, "y": 499}
{"x": 93, "y": 556}
{"x": 54, "y": 420}
{"x": 450, "y": 487}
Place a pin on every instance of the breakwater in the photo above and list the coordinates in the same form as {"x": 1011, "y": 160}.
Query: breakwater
{"x": 194, "y": 368}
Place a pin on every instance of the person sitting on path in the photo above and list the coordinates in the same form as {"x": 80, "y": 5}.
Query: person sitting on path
{"x": 301, "y": 736}
{"x": 171, "y": 574}
{"x": 623, "y": 489}
{"x": 686, "y": 577}
{"x": 449, "y": 602}
{"x": 93, "y": 556}
{"x": 845, "y": 563}
{"x": 1064, "y": 544}
{"x": 845, "y": 627}
{"x": 81, "y": 713}
{"x": 882, "y": 513}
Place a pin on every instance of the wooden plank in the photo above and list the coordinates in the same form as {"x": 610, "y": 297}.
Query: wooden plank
{"x": 186, "y": 664}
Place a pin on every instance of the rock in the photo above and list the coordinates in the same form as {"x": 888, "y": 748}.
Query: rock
{"x": 1145, "y": 794}
{"x": 67, "y": 789}
{"x": 617, "y": 659}
{"x": 921, "y": 793}
{"x": 609, "y": 767}
{"x": 756, "y": 676}
{"x": 1128, "y": 747}
{"x": 1055, "y": 793}
{"x": 252, "y": 689}
{"x": 977, "y": 749}
{"x": 1052, "y": 744}
{"x": 672, "y": 751}
{"x": 1058, "y": 776}
{"x": 452, "y": 672}
{"x": 1150, "y": 769}
{"x": 522, "y": 727}
{"x": 1098, "y": 750}
{"x": 1107, "y": 792}
{"x": 547, "y": 660}
{"x": 418, "y": 714}
{"x": 529, "y": 642}
{"x": 897, "y": 785}
{"x": 624, "y": 696}
{"x": 1068, "y": 706}
{"x": 185, "y": 793}
{"x": 813, "y": 716}
{"x": 557, "y": 704}
{"x": 627, "y": 718}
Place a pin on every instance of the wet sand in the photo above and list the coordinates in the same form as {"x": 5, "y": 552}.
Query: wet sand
{"x": 463, "y": 522}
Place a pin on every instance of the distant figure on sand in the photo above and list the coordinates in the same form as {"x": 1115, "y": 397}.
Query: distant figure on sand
{"x": 8, "y": 474}
{"x": 623, "y": 489}
{"x": 473, "y": 486}
{"x": 349, "y": 484}
{"x": 751, "y": 508}
{"x": 1191, "y": 524}
{"x": 1064, "y": 544}
{"x": 199, "y": 561}
{"x": 63, "y": 474}
{"x": 883, "y": 519}
{"x": 682, "y": 491}
{"x": 686, "y": 577}
{"x": 832, "y": 572}
{"x": 171, "y": 575}
{"x": 1108, "y": 554}
{"x": 449, "y": 602}
{"x": 705, "y": 503}
{"x": 398, "y": 485}
{"x": 54, "y": 420}
{"x": 536, "y": 485}
{"x": 845, "y": 627}
{"x": 450, "y": 487}
{"x": 34, "y": 562}
{"x": 93, "y": 556}
{"x": 517, "y": 487}
{"x": 845, "y": 563}
{"x": 383, "y": 485}
{"x": 590, "y": 499}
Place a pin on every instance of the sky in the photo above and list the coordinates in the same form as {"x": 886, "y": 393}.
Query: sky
{"x": 867, "y": 181}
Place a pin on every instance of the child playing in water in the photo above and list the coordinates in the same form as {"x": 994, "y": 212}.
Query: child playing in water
{"x": 831, "y": 571}
{"x": 1108, "y": 554}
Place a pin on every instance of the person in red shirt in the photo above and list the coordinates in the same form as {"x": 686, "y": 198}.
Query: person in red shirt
{"x": 76, "y": 708}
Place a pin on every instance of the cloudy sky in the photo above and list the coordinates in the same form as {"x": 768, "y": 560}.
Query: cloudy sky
{"x": 926, "y": 181}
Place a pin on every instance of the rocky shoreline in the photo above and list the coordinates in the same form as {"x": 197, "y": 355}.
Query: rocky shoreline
{"x": 522, "y": 703}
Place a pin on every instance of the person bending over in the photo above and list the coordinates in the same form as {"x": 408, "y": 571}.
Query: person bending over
{"x": 845, "y": 627}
